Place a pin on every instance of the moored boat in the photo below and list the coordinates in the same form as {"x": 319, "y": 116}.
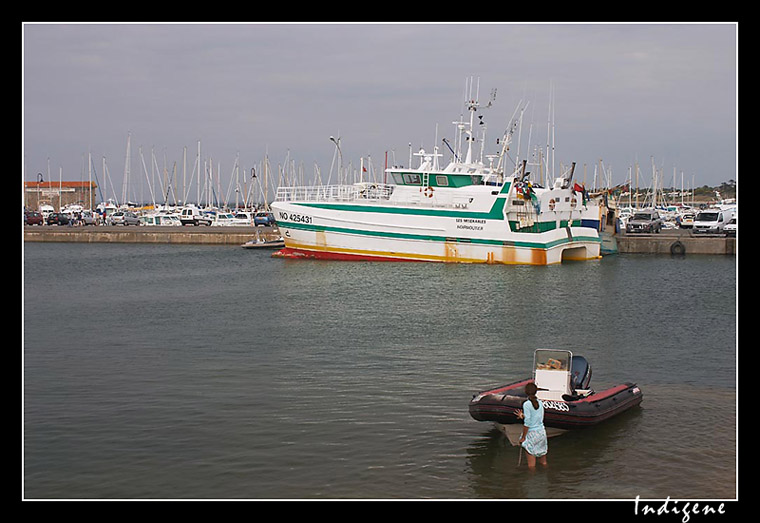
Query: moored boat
{"x": 563, "y": 381}
{"x": 465, "y": 212}
{"x": 263, "y": 243}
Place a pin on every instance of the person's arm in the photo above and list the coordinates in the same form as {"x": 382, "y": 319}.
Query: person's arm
{"x": 526, "y": 413}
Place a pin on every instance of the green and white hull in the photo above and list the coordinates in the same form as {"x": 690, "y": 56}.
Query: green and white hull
{"x": 469, "y": 224}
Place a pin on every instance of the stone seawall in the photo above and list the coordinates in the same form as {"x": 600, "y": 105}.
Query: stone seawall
{"x": 675, "y": 242}
{"x": 667, "y": 242}
{"x": 151, "y": 234}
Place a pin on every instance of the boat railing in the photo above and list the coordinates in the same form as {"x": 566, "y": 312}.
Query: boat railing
{"x": 338, "y": 193}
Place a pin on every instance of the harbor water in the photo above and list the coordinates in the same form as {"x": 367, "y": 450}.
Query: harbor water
{"x": 216, "y": 372}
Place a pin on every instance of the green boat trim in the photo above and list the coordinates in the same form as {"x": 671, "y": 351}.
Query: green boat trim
{"x": 443, "y": 239}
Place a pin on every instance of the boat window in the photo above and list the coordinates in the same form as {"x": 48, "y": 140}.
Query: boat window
{"x": 412, "y": 179}
{"x": 442, "y": 181}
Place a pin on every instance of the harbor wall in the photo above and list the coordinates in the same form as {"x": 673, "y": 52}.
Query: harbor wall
{"x": 164, "y": 235}
{"x": 670, "y": 242}
{"x": 682, "y": 244}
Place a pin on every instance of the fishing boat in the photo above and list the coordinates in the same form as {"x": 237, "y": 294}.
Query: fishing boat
{"x": 468, "y": 211}
{"x": 563, "y": 382}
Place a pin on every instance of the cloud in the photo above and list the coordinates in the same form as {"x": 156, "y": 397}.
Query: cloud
{"x": 621, "y": 91}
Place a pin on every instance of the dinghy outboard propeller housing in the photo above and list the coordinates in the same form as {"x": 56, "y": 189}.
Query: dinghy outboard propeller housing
{"x": 581, "y": 373}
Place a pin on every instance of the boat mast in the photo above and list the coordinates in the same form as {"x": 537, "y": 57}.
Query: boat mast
{"x": 89, "y": 174}
{"x": 125, "y": 181}
{"x": 472, "y": 106}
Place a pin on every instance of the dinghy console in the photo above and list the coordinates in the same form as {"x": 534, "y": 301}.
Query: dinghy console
{"x": 560, "y": 376}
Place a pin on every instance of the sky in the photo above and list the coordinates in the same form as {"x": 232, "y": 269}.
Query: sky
{"x": 663, "y": 97}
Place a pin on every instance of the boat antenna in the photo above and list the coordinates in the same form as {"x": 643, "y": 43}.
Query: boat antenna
{"x": 506, "y": 139}
{"x": 445, "y": 141}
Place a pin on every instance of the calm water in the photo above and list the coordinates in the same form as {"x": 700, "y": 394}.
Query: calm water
{"x": 218, "y": 372}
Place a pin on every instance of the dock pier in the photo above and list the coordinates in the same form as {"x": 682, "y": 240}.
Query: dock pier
{"x": 669, "y": 241}
{"x": 231, "y": 235}
{"x": 675, "y": 241}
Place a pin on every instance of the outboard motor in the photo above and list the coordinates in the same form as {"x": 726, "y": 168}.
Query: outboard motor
{"x": 580, "y": 374}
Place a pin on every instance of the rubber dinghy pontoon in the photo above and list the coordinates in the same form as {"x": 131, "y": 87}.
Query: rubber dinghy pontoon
{"x": 563, "y": 387}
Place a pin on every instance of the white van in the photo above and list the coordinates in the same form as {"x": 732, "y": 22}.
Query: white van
{"x": 192, "y": 215}
{"x": 712, "y": 221}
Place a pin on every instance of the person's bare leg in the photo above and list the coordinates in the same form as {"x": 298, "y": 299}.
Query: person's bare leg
{"x": 531, "y": 460}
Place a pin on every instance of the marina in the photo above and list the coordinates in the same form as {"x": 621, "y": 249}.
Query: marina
{"x": 463, "y": 205}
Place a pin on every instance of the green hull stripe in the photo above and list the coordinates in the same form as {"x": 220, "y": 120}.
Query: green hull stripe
{"x": 496, "y": 212}
{"x": 405, "y": 236}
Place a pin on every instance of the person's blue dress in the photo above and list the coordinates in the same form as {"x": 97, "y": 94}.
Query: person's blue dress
{"x": 535, "y": 440}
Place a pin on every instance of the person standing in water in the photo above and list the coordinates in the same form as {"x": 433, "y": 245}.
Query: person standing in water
{"x": 533, "y": 438}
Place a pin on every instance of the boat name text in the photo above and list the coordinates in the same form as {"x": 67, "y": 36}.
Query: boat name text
{"x": 556, "y": 405}
{"x": 470, "y": 223}
{"x": 299, "y": 218}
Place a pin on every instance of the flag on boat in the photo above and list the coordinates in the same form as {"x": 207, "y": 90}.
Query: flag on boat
{"x": 581, "y": 189}
{"x": 526, "y": 191}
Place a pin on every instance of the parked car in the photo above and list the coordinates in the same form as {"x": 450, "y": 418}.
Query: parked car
{"x": 87, "y": 218}
{"x": 57, "y": 218}
{"x": 730, "y": 228}
{"x": 263, "y": 218}
{"x": 687, "y": 220}
{"x": 123, "y": 218}
{"x": 33, "y": 218}
{"x": 644, "y": 221}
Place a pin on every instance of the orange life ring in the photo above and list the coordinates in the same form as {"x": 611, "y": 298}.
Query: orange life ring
{"x": 429, "y": 192}
{"x": 551, "y": 204}
{"x": 573, "y": 202}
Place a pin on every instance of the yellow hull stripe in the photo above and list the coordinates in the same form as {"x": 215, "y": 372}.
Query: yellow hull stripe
{"x": 537, "y": 255}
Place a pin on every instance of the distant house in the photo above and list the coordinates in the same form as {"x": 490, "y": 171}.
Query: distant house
{"x": 59, "y": 194}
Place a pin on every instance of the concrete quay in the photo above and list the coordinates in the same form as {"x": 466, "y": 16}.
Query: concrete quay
{"x": 669, "y": 241}
{"x": 675, "y": 241}
{"x": 231, "y": 235}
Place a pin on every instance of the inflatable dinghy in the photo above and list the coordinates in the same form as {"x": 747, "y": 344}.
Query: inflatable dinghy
{"x": 563, "y": 387}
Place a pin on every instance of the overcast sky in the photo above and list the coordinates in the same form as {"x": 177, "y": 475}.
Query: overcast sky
{"x": 623, "y": 93}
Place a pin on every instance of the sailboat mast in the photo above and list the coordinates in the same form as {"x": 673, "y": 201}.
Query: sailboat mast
{"x": 89, "y": 175}
{"x": 125, "y": 181}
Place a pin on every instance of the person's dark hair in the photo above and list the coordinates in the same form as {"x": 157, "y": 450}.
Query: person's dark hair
{"x": 530, "y": 390}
